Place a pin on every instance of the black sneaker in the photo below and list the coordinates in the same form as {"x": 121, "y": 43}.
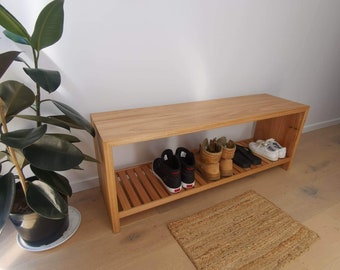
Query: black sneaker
{"x": 167, "y": 169}
{"x": 187, "y": 161}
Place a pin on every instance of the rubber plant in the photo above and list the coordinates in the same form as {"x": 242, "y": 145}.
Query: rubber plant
{"x": 29, "y": 146}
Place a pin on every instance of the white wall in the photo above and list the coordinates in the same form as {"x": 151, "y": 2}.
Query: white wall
{"x": 125, "y": 54}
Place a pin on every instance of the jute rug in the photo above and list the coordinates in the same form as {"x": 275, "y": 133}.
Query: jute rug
{"x": 246, "y": 232}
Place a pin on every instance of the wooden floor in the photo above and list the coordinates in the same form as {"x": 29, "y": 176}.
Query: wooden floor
{"x": 309, "y": 192}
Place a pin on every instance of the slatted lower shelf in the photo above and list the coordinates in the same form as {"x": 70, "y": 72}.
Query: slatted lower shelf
{"x": 138, "y": 189}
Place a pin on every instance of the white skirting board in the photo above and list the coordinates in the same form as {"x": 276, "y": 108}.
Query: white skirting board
{"x": 322, "y": 124}
{"x": 84, "y": 184}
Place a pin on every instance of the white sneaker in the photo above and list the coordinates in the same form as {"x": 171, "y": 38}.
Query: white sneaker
{"x": 264, "y": 149}
{"x": 281, "y": 150}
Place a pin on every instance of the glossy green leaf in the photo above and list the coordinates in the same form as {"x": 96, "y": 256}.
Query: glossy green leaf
{"x": 53, "y": 154}
{"x": 23, "y": 137}
{"x": 31, "y": 178}
{"x": 16, "y": 97}
{"x": 16, "y": 38}
{"x": 65, "y": 137}
{"x": 44, "y": 119}
{"x": 47, "y": 79}
{"x": 6, "y": 60}
{"x": 7, "y": 193}
{"x": 78, "y": 168}
{"x": 44, "y": 200}
{"x": 57, "y": 181}
{"x": 10, "y": 23}
{"x": 19, "y": 59}
{"x": 91, "y": 159}
{"x": 75, "y": 116}
{"x": 67, "y": 121}
{"x": 48, "y": 28}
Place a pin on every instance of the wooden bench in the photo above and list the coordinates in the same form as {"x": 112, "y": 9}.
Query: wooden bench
{"x": 132, "y": 190}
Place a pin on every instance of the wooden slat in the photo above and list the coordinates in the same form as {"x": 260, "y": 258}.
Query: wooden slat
{"x": 146, "y": 183}
{"x": 155, "y": 182}
{"x": 238, "y": 168}
{"x": 138, "y": 186}
{"x": 129, "y": 189}
{"x": 234, "y": 170}
{"x": 264, "y": 160}
{"x": 197, "y": 184}
{"x": 124, "y": 201}
{"x": 199, "y": 179}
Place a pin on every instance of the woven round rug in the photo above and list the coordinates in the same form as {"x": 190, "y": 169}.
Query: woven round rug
{"x": 246, "y": 232}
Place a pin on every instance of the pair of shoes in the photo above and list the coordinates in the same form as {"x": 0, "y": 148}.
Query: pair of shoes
{"x": 269, "y": 149}
{"x": 175, "y": 171}
{"x": 214, "y": 158}
{"x": 245, "y": 158}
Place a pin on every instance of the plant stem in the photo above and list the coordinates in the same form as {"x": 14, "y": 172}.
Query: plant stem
{"x": 11, "y": 150}
{"x": 37, "y": 97}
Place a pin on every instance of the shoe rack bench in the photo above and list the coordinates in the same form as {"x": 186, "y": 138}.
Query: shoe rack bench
{"x": 135, "y": 189}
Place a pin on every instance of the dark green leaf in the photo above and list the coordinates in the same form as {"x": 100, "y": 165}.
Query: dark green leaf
{"x": 53, "y": 154}
{"x": 57, "y": 181}
{"x": 65, "y": 137}
{"x": 16, "y": 97}
{"x": 31, "y": 178}
{"x": 10, "y": 23}
{"x": 78, "y": 168}
{"x": 47, "y": 120}
{"x": 91, "y": 159}
{"x": 48, "y": 28}
{"x": 47, "y": 79}
{"x": 75, "y": 116}
{"x": 23, "y": 137}
{"x": 6, "y": 60}
{"x": 19, "y": 59}
{"x": 16, "y": 38}
{"x": 7, "y": 192}
{"x": 46, "y": 201}
{"x": 67, "y": 120}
